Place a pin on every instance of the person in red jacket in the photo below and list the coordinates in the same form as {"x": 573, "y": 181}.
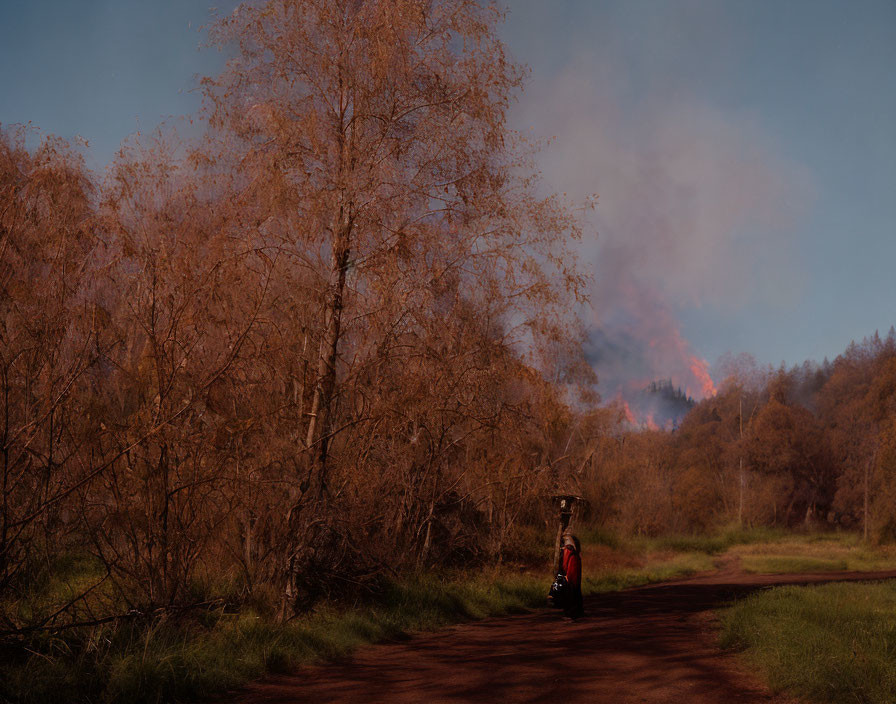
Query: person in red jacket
{"x": 571, "y": 566}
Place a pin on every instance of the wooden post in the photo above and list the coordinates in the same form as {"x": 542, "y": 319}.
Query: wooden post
{"x": 566, "y": 504}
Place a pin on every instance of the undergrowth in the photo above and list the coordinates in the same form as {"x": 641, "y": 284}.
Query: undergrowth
{"x": 212, "y": 651}
{"x": 191, "y": 658}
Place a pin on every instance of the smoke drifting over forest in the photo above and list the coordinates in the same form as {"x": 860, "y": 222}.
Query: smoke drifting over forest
{"x": 691, "y": 210}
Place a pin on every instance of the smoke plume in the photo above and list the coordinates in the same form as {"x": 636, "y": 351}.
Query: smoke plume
{"x": 692, "y": 204}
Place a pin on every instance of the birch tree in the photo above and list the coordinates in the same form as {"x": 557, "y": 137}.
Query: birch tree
{"x": 374, "y": 147}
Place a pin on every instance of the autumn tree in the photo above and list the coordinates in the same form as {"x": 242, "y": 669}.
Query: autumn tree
{"x": 787, "y": 442}
{"x": 374, "y": 147}
{"x": 181, "y": 294}
{"x": 855, "y": 404}
{"x": 48, "y": 343}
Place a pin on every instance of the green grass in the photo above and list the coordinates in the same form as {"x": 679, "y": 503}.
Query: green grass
{"x": 786, "y": 564}
{"x": 246, "y": 646}
{"x": 833, "y": 643}
{"x": 713, "y": 543}
{"x": 819, "y": 552}
{"x": 202, "y": 656}
{"x": 50, "y": 586}
{"x": 655, "y": 569}
{"x": 598, "y": 535}
{"x": 189, "y": 660}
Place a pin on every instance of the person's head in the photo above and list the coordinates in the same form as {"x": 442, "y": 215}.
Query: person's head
{"x": 572, "y": 541}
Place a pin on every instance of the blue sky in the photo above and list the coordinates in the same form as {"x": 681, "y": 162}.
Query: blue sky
{"x": 744, "y": 153}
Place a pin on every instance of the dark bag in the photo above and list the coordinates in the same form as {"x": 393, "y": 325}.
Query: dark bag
{"x": 559, "y": 590}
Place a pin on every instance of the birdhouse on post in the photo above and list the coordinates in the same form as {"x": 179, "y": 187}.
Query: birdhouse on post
{"x": 568, "y": 505}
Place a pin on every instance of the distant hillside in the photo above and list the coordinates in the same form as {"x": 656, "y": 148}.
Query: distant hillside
{"x": 661, "y": 404}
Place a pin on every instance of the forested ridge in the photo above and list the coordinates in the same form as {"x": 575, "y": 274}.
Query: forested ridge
{"x": 811, "y": 446}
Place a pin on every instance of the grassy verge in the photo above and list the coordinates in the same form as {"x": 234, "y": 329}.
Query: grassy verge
{"x": 714, "y": 543}
{"x": 189, "y": 659}
{"x": 789, "y": 564}
{"x": 820, "y": 552}
{"x": 196, "y": 657}
{"x": 656, "y": 568}
{"x": 829, "y": 644}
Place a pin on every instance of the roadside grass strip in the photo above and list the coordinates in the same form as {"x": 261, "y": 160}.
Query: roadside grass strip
{"x": 825, "y": 552}
{"x": 200, "y": 657}
{"x": 192, "y": 659}
{"x": 830, "y": 644}
{"x": 656, "y": 569}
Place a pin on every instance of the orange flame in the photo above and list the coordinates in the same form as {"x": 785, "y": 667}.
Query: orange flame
{"x": 700, "y": 370}
{"x": 627, "y": 411}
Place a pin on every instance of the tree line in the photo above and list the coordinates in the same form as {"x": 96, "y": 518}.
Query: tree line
{"x": 810, "y": 446}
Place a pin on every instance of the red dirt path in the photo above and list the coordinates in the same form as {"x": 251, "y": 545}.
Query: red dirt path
{"x": 650, "y": 644}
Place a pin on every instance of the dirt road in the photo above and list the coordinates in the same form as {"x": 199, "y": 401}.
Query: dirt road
{"x": 650, "y": 644}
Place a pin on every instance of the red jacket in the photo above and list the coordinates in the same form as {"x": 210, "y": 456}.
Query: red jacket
{"x": 572, "y": 566}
